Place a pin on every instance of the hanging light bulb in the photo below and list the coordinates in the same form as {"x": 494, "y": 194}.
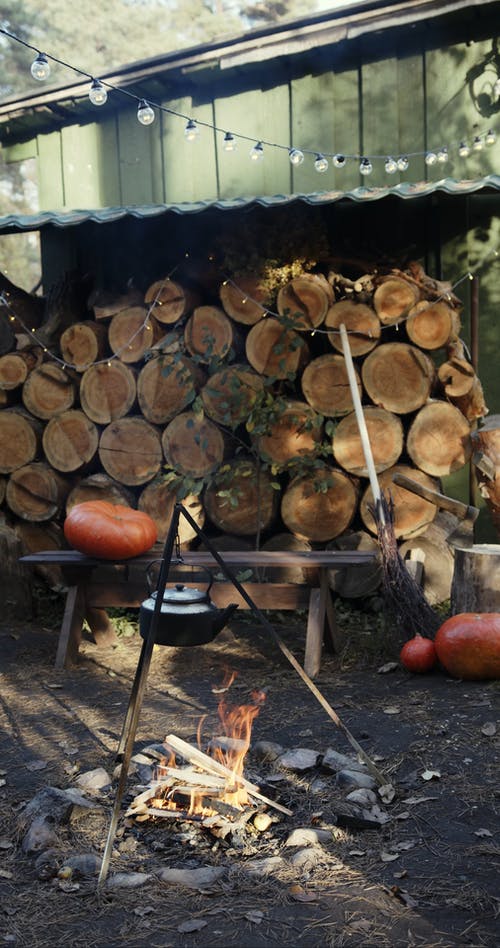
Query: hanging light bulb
{"x": 40, "y": 68}
{"x": 296, "y": 156}
{"x": 145, "y": 114}
{"x": 477, "y": 143}
{"x": 391, "y": 165}
{"x": 321, "y": 164}
{"x": 257, "y": 152}
{"x": 403, "y": 163}
{"x": 339, "y": 161}
{"x": 191, "y": 131}
{"x": 430, "y": 158}
{"x": 442, "y": 156}
{"x": 229, "y": 143}
{"x": 97, "y": 93}
{"x": 463, "y": 150}
{"x": 490, "y": 137}
{"x": 366, "y": 166}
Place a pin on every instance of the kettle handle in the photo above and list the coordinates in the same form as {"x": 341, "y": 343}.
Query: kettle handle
{"x": 151, "y": 586}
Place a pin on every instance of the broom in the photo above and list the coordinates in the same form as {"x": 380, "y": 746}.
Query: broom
{"x": 404, "y": 599}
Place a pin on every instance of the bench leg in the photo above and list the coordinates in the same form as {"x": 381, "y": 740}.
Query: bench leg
{"x": 315, "y": 631}
{"x": 70, "y": 635}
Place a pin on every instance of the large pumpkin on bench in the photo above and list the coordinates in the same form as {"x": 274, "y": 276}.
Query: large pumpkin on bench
{"x": 468, "y": 645}
{"x": 109, "y": 531}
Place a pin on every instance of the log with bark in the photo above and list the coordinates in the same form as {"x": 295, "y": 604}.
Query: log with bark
{"x": 83, "y": 344}
{"x": 245, "y": 302}
{"x": 158, "y": 499}
{"x": 99, "y": 487}
{"x": 48, "y": 391}
{"x": 229, "y": 395}
{"x": 27, "y": 309}
{"x": 432, "y": 325}
{"x": 209, "y": 334}
{"x": 20, "y": 438}
{"x": 486, "y": 458}
{"x": 305, "y": 300}
{"x": 394, "y": 298}
{"x": 476, "y": 579}
{"x": 16, "y": 366}
{"x": 432, "y": 549}
{"x": 360, "y": 581}
{"x": 132, "y": 332}
{"x": 105, "y": 304}
{"x": 15, "y": 585}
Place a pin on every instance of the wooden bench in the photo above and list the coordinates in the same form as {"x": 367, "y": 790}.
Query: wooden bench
{"x": 94, "y": 585}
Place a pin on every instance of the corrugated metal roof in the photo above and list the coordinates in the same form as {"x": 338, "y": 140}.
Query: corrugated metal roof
{"x": 362, "y": 195}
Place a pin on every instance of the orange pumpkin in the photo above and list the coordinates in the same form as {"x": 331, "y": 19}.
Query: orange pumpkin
{"x": 109, "y": 531}
{"x": 468, "y": 645}
{"x": 418, "y": 655}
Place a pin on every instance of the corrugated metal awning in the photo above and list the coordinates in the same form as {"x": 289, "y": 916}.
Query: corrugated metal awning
{"x": 13, "y": 223}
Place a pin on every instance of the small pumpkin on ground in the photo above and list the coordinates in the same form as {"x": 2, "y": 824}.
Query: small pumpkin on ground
{"x": 109, "y": 531}
{"x": 468, "y": 645}
{"x": 418, "y": 655}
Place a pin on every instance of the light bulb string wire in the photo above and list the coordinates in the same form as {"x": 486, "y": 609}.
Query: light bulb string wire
{"x": 245, "y": 297}
{"x": 316, "y": 152}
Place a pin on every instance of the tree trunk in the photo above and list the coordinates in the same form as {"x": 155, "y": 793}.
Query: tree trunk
{"x": 289, "y": 574}
{"x": 48, "y": 391}
{"x": 15, "y": 588}
{"x": 99, "y": 487}
{"x": 456, "y": 377}
{"x": 158, "y": 500}
{"x": 326, "y": 388}
{"x": 273, "y": 350}
{"x": 169, "y": 301}
{"x": 130, "y": 451}
{"x": 166, "y": 385}
{"x": 432, "y": 325}
{"x": 246, "y": 302}
{"x": 294, "y": 434}
{"x": 432, "y": 549}
{"x": 360, "y": 321}
{"x": 439, "y": 439}
{"x": 37, "y": 537}
{"x": 393, "y": 299}
{"x": 359, "y": 581}
{"x": 386, "y": 436}
{"x": 70, "y": 441}
{"x": 304, "y": 301}
{"x": 209, "y": 334}
{"x": 242, "y": 500}
{"x": 486, "y": 443}
{"x": 36, "y": 492}
{"x": 476, "y": 579}
{"x": 83, "y": 344}
{"x": 193, "y": 445}
{"x": 398, "y": 377}
{"x": 108, "y": 392}
{"x": 16, "y": 366}
{"x": 20, "y": 439}
{"x": 230, "y": 394}
{"x": 412, "y": 514}
{"x": 319, "y": 506}
{"x": 131, "y": 333}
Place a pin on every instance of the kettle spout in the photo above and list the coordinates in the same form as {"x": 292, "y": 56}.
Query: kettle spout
{"x": 223, "y": 618}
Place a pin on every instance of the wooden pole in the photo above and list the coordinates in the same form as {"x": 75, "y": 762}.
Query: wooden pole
{"x": 474, "y": 355}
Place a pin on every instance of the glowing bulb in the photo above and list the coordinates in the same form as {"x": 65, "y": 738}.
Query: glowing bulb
{"x": 97, "y": 93}
{"x": 463, "y": 150}
{"x": 257, "y": 152}
{"x": 339, "y": 161}
{"x": 296, "y": 156}
{"x": 477, "y": 143}
{"x": 40, "y": 68}
{"x": 145, "y": 114}
{"x": 321, "y": 164}
{"x": 366, "y": 166}
{"x": 391, "y": 165}
{"x": 191, "y": 131}
{"x": 403, "y": 163}
{"x": 430, "y": 158}
{"x": 442, "y": 156}
{"x": 490, "y": 137}
{"x": 229, "y": 143}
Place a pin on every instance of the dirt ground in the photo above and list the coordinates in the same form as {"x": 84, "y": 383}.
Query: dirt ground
{"x": 428, "y": 876}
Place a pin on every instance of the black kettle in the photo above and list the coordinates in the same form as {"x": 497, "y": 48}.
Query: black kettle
{"x": 187, "y": 615}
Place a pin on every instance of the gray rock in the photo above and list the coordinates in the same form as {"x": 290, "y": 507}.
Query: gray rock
{"x": 263, "y": 867}
{"x": 128, "y": 880}
{"x": 333, "y": 761}
{"x": 364, "y": 797}
{"x": 201, "y": 878}
{"x": 305, "y": 836}
{"x": 54, "y": 804}
{"x": 40, "y": 836}
{"x": 298, "y": 759}
{"x": 307, "y": 858}
{"x": 355, "y": 779}
{"x": 267, "y": 750}
{"x": 94, "y": 780}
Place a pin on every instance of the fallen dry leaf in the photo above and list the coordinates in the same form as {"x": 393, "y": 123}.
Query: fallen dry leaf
{"x": 255, "y": 917}
{"x": 5, "y": 874}
{"x": 482, "y": 832}
{"x": 387, "y": 793}
{"x": 300, "y": 895}
{"x": 392, "y": 710}
{"x": 388, "y": 667}
{"x": 388, "y": 857}
{"x": 431, "y": 775}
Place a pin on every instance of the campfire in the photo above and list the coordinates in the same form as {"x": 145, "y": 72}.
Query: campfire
{"x": 207, "y": 785}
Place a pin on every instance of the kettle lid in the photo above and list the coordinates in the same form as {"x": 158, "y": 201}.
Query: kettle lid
{"x": 183, "y": 595}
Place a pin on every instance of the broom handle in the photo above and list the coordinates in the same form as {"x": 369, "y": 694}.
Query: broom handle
{"x": 365, "y": 441}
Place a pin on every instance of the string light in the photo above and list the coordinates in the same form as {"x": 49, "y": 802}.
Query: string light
{"x": 391, "y": 166}
{"x": 191, "y": 131}
{"x": 463, "y": 150}
{"x": 321, "y": 164}
{"x": 431, "y": 158}
{"x": 403, "y": 163}
{"x": 296, "y": 156}
{"x": 257, "y": 152}
{"x": 490, "y": 137}
{"x": 477, "y": 144}
{"x": 40, "y": 68}
{"x": 145, "y": 114}
{"x": 229, "y": 143}
{"x": 442, "y": 156}
{"x": 339, "y": 161}
{"x": 366, "y": 166}
{"x": 98, "y": 94}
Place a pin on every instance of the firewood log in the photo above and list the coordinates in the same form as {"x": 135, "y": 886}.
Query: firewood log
{"x": 83, "y": 344}
{"x": 393, "y": 299}
{"x": 209, "y": 334}
{"x": 241, "y": 500}
{"x": 295, "y": 433}
{"x": 130, "y": 450}
{"x": 439, "y": 439}
{"x": 385, "y": 432}
{"x": 16, "y": 366}
{"x": 29, "y": 307}
{"x": 48, "y": 391}
{"x": 304, "y": 301}
{"x": 168, "y": 301}
{"x": 325, "y": 385}
{"x": 158, "y": 499}
{"x": 486, "y": 442}
{"x": 108, "y": 391}
{"x": 432, "y": 325}
{"x": 105, "y": 304}
{"x": 132, "y": 333}
{"x": 167, "y": 384}
{"x": 36, "y": 492}
{"x": 99, "y": 487}
{"x": 412, "y": 514}
{"x": 472, "y": 404}
{"x": 229, "y": 395}
{"x": 245, "y": 300}
{"x": 431, "y": 548}
{"x": 359, "y": 581}
{"x": 273, "y": 350}
{"x": 193, "y": 445}
{"x": 20, "y": 438}
{"x": 37, "y": 537}
{"x": 398, "y": 376}
{"x": 361, "y": 322}
{"x": 70, "y": 441}
{"x": 456, "y": 376}
{"x": 319, "y": 506}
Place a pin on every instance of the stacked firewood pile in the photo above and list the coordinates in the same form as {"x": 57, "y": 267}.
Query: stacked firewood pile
{"x": 236, "y": 404}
